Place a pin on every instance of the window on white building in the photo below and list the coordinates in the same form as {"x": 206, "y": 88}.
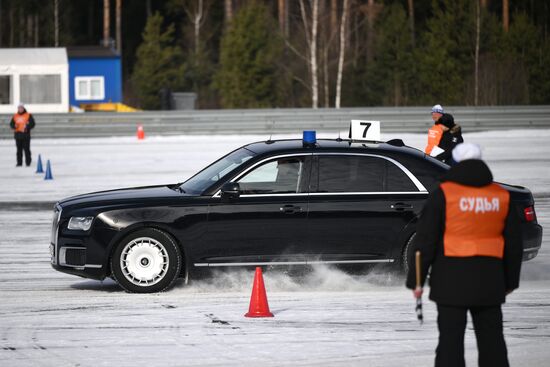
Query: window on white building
{"x": 40, "y": 88}
{"x": 5, "y": 89}
{"x": 89, "y": 87}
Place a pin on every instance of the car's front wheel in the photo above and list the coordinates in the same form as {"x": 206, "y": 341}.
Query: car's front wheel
{"x": 146, "y": 261}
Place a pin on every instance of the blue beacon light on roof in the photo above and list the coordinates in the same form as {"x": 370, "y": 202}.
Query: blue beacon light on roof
{"x": 309, "y": 138}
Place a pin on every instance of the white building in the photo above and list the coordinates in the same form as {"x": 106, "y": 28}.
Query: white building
{"x": 36, "y": 77}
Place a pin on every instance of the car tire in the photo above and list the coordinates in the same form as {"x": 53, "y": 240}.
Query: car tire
{"x": 405, "y": 254}
{"x": 146, "y": 261}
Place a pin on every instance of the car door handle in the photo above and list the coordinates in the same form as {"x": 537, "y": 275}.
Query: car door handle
{"x": 290, "y": 209}
{"x": 401, "y": 206}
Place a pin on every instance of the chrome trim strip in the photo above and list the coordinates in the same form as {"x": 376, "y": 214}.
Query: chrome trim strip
{"x": 531, "y": 249}
{"x": 417, "y": 183}
{"x": 307, "y": 262}
{"x": 342, "y": 193}
{"x": 264, "y": 195}
{"x": 371, "y": 193}
{"x": 82, "y": 267}
{"x": 54, "y": 237}
{"x": 94, "y": 266}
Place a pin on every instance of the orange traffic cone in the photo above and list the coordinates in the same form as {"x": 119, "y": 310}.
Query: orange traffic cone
{"x": 258, "y": 301}
{"x": 140, "y": 133}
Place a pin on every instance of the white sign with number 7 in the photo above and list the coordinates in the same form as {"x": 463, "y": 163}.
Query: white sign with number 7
{"x": 364, "y": 130}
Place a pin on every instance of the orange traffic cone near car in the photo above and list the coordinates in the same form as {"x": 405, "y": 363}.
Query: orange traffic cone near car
{"x": 258, "y": 301}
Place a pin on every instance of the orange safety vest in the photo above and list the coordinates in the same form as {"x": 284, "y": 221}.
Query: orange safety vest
{"x": 21, "y": 121}
{"x": 434, "y": 136}
{"x": 475, "y": 219}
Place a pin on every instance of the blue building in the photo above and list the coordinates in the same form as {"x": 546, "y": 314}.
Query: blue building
{"x": 95, "y": 75}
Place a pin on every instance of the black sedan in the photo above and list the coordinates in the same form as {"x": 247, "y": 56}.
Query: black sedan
{"x": 278, "y": 202}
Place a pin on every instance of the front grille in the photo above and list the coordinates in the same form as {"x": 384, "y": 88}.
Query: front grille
{"x": 55, "y": 233}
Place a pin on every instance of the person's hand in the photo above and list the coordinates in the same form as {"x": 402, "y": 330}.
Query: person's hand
{"x": 417, "y": 292}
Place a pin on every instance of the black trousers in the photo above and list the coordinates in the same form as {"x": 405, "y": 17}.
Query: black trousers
{"x": 487, "y": 320}
{"x": 23, "y": 144}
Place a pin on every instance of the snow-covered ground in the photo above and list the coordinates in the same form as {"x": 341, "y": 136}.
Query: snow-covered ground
{"x": 324, "y": 318}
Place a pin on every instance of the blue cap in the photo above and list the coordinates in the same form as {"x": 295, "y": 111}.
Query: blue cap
{"x": 309, "y": 138}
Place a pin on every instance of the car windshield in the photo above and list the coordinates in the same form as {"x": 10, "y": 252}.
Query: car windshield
{"x": 214, "y": 172}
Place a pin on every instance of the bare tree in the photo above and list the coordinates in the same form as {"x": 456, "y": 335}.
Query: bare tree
{"x": 343, "y": 27}
{"x": 333, "y": 16}
{"x": 148, "y": 8}
{"x": 228, "y": 6}
{"x": 411, "y": 22}
{"x": 476, "y": 73}
{"x": 106, "y": 23}
{"x": 371, "y": 10}
{"x": 311, "y": 38}
{"x": 36, "y": 31}
{"x": 119, "y": 26}
{"x": 505, "y": 15}
{"x": 21, "y": 27}
{"x": 30, "y": 33}
{"x": 197, "y": 15}
{"x": 1, "y": 24}
{"x": 56, "y": 22}
{"x": 12, "y": 28}
{"x": 283, "y": 17}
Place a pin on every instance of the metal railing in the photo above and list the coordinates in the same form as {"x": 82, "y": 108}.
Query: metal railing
{"x": 256, "y": 121}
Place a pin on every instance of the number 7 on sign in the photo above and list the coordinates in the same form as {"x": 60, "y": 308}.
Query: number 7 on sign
{"x": 364, "y": 130}
{"x": 367, "y": 124}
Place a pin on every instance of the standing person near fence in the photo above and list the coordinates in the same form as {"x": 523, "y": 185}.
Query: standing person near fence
{"x": 22, "y": 123}
{"x": 451, "y": 137}
{"x": 469, "y": 235}
{"x": 435, "y": 132}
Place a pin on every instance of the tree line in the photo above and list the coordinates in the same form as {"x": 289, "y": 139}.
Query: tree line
{"x": 306, "y": 53}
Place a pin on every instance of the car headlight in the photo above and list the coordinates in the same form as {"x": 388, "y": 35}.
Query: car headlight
{"x": 80, "y": 223}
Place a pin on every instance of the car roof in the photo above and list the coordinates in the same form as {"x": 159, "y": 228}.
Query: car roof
{"x": 333, "y": 145}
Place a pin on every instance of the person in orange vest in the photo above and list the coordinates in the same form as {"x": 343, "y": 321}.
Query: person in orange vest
{"x": 435, "y": 132}
{"x": 22, "y": 123}
{"x": 469, "y": 238}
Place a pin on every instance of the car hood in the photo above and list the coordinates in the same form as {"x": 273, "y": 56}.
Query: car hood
{"x": 134, "y": 194}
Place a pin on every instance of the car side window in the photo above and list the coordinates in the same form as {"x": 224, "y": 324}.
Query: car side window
{"x": 278, "y": 176}
{"x": 346, "y": 173}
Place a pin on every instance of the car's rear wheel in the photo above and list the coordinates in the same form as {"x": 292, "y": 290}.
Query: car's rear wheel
{"x": 146, "y": 261}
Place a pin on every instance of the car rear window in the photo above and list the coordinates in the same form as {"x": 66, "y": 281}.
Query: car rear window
{"x": 344, "y": 173}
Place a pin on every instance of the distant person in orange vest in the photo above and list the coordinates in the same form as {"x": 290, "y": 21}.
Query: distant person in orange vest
{"x": 22, "y": 123}
{"x": 435, "y": 132}
{"x": 469, "y": 235}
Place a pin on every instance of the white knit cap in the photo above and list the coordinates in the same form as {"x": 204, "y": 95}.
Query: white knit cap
{"x": 466, "y": 151}
{"x": 437, "y": 109}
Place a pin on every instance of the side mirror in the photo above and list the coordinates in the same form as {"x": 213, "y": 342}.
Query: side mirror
{"x": 231, "y": 190}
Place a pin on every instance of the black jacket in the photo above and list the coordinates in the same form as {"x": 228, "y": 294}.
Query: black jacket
{"x": 449, "y": 140}
{"x": 464, "y": 281}
{"x": 27, "y": 133}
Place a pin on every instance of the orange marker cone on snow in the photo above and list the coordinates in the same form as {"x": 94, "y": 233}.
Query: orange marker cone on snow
{"x": 258, "y": 301}
{"x": 140, "y": 133}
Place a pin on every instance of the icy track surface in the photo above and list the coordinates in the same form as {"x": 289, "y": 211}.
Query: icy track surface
{"x": 323, "y": 318}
